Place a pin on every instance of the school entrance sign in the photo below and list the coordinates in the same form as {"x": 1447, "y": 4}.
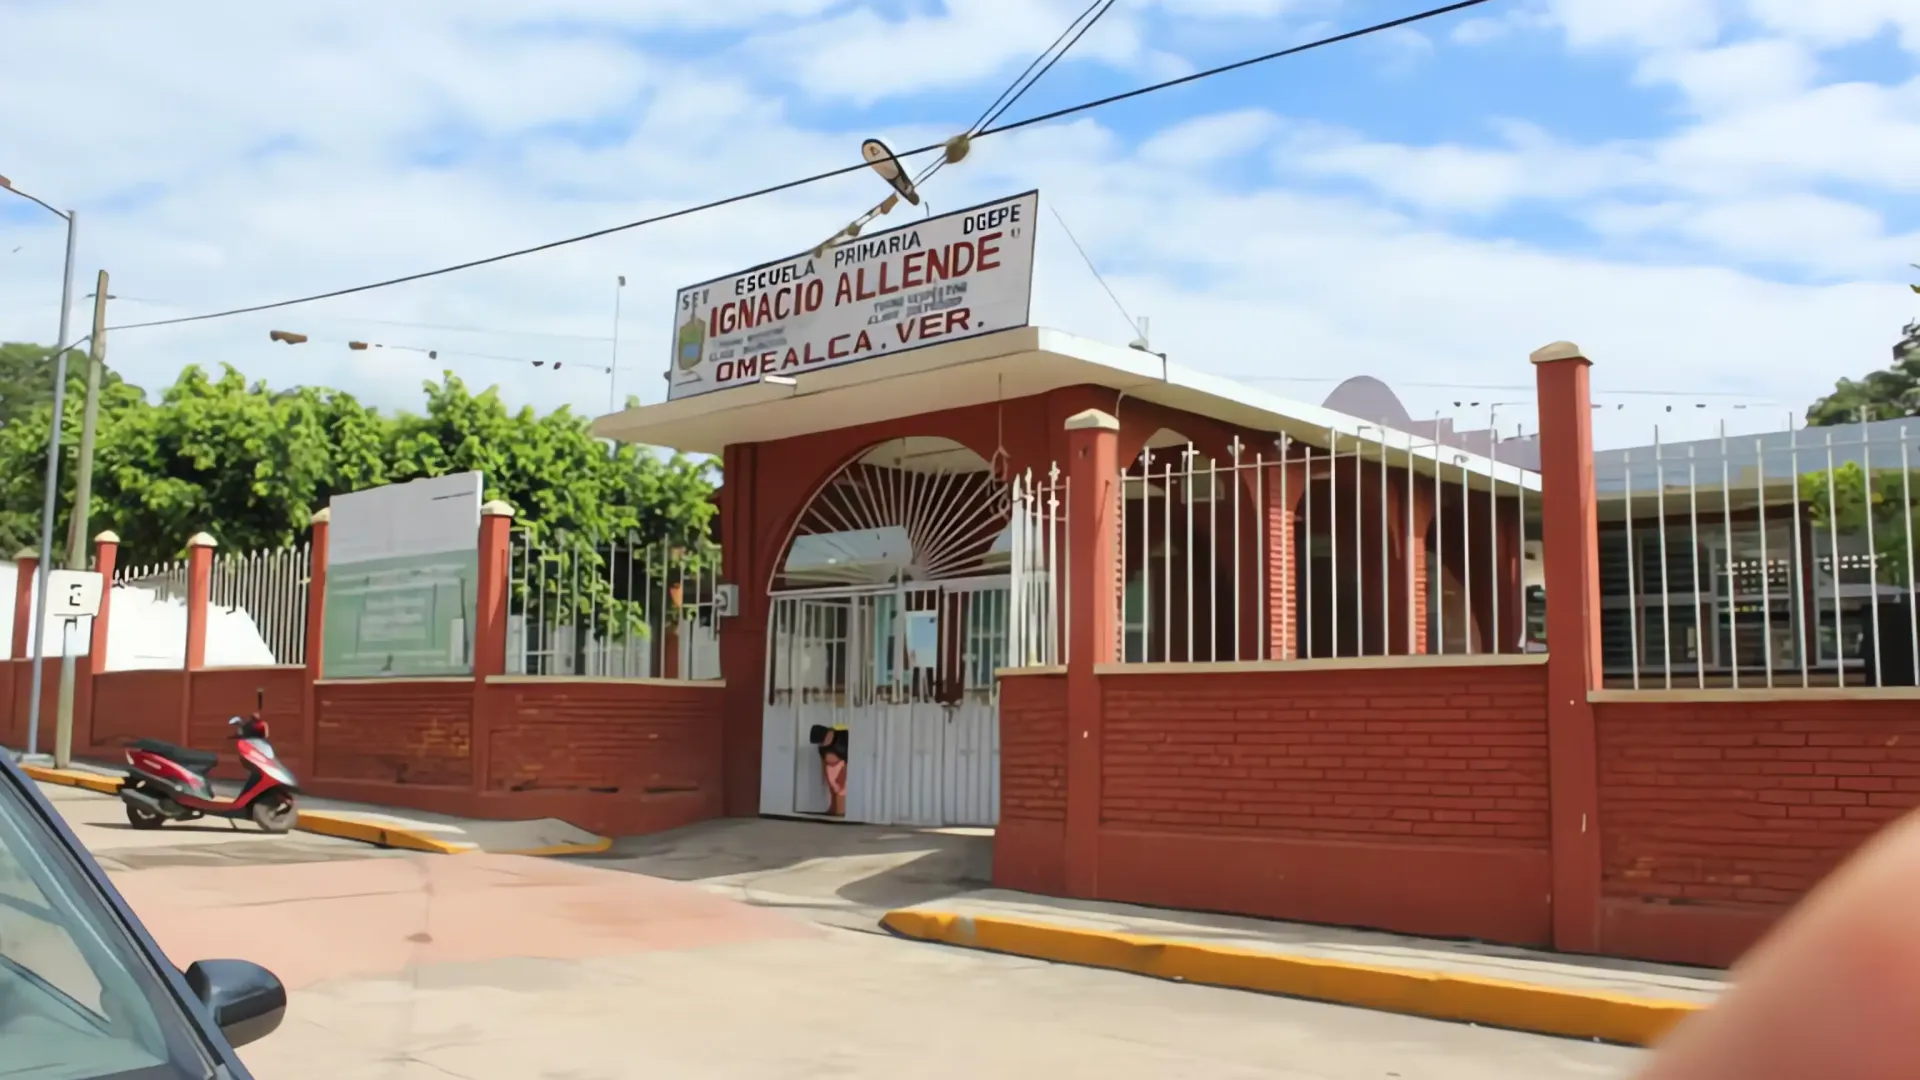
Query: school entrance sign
{"x": 403, "y": 566}
{"x": 942, "y": 279}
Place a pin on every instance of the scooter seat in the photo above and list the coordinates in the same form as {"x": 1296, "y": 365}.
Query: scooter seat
{"x": 199, "y": 761}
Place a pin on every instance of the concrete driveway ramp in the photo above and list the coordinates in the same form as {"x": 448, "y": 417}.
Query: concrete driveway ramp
{"x": 450, "y": 836}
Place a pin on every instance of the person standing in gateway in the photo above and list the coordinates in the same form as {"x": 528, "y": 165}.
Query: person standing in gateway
{"x": 832, "y": 743}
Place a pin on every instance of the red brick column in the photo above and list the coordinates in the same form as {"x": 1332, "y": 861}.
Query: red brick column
{"x": 489, "y": 630}
{"x": 1571, "y": 550}
{"x": 199, "y": 595}
{"x": 27, "y": 566}
{"x": 1093, "y": 548}
{"x": 106, "y": 552}
{"x": 316, "y": 636}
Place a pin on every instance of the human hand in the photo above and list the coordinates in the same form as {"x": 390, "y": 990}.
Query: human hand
{"x": 1832, "y": 994}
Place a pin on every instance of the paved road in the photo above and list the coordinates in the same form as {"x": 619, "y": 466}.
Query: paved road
{"x": 744, "y": 950}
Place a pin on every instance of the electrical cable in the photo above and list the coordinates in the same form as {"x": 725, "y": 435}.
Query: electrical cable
{"x": 773, "y": 189}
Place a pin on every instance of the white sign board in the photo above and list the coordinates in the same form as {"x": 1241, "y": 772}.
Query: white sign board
{"x": 73, "y": 594}
{"x": 941, "y": 279}
{"x": 403, "y": 569}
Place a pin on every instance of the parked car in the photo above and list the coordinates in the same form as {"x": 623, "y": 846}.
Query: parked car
{"x": 85, "y": 993}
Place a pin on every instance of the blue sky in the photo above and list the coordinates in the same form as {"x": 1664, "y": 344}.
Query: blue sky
{"x": 1714, "y": 196}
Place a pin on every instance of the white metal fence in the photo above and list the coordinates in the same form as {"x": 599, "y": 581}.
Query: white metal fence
{"x": 1757, "y": 561}
{"x": 260, "y": 594}
{"x": 1366, "y": 546}
{"x": 630, "y": 608}
{"x": 1038, "y": 630}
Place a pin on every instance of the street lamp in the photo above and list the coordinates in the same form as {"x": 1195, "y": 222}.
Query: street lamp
{"x": 44, "y": 567}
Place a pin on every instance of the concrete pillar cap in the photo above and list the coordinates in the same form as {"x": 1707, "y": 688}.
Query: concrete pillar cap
{"x": 1559, "y": 350}
{"x": 1092, "y": 420}
{"x": 322, "y": 515}
{"x": 107, "y": 536}
{"x": 26, "y": 553}
{"x": 202, "y": 540}
{"x": 496, "y": 508}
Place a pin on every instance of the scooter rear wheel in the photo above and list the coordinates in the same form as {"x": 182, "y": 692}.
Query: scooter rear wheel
{"x": 274, "y": 813}
{"x": 140, "y": 817}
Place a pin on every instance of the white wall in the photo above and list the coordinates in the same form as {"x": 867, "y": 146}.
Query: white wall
{"x": 146, "y": 631}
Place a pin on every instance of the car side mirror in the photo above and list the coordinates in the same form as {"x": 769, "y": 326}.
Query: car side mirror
{"x": 247, "y": 1001}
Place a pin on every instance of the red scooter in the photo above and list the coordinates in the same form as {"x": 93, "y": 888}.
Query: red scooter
{"x": 169, "y": 783}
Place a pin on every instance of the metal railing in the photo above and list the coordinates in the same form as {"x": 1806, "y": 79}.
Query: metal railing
{"x": 268, "y": 590}
{"x": 1761, "y": 561}
{"x": 1369, "y": 545}
{"x": 1038, "y": 630}
{"x": 629, "y": 608}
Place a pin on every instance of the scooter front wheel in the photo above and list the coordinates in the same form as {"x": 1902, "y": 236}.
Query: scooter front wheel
{"x": 140, "y": 817}
{"x": 275, "y": 813}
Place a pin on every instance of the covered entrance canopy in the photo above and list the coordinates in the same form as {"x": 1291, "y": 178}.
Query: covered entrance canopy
{"x": 889, "y": 556}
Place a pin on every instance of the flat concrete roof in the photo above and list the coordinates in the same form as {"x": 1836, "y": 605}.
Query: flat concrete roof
{"x": 1015, "y": 364}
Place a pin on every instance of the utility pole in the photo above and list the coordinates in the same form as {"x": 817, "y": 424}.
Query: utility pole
{"x": 613, "y": 367}
{"x": 49, "y": 501}
{"x": 77, "y": 526}
{"x": 89, "y": 423}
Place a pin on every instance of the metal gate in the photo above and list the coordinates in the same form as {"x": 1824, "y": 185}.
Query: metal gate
{"x": 908, "y": 670}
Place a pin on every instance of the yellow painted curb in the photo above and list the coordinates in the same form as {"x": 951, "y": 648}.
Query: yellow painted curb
{"x": 380, "y": 835}
{"x": 327, "y": 823}
{"x": 105, "y": 785}
{"x": 1547, "y": 1010}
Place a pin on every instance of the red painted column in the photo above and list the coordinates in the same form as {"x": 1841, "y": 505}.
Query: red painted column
{"x": 199, "y": 595}
{"x": 106, "y": 552}
{"x": 1572, "y": 554}
{"x": 316, "y": 635}
{"x": 1093, "y": 538}
{"x": 489, "y": 630}
{"x": 27, "y": 567}
{"x": 743, "y": 641}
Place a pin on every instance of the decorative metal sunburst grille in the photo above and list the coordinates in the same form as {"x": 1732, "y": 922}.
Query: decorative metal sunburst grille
{"x": 894, "y": 515}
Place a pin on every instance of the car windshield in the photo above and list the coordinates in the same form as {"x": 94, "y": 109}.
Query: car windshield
{"x": 79, "y": 1000}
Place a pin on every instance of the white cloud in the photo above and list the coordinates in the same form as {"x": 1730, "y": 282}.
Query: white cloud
{"x": 1645, "y": 24}
{"x": 1831, "y": 23}
{"x": 157, "y": 137}
{"x": 1758, "y": 71}
{"x": 1825, "y": 235}
{"x": 1530, "y": 165}
{"x": 861, "y": 55}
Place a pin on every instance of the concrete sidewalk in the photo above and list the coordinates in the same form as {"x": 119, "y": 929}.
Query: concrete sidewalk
{"x": 1583, "y": 997}
{"x": 414, "y": 830}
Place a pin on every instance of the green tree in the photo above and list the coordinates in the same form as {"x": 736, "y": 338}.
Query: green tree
{"x": 1884, "y": 395}
{"x": 250, "y": 466}
{"x": 1847, "y": 503}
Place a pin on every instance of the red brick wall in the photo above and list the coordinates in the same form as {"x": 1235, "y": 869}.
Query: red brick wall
{"x": 1408, "y": 755}
{"x": 1033, "y": 748}
{"x": 1738, "y": 808}
{"x": 1411, "y": 799}
{"x": 219, "y": 694}
{"x": 135, "y": 705}
{"x": 1029, "y": 846}
{"x": 641, "y": 738}
{"x": 397, "y": 732}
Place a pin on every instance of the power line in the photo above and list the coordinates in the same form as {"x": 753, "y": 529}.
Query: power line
{"x": 773, "y": 189}
{"x": 1084, "y": 257}
{"x": 1019, "y": 86}
{"x": 1498, "y": 386}
{"x": 1002, "y": 111}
